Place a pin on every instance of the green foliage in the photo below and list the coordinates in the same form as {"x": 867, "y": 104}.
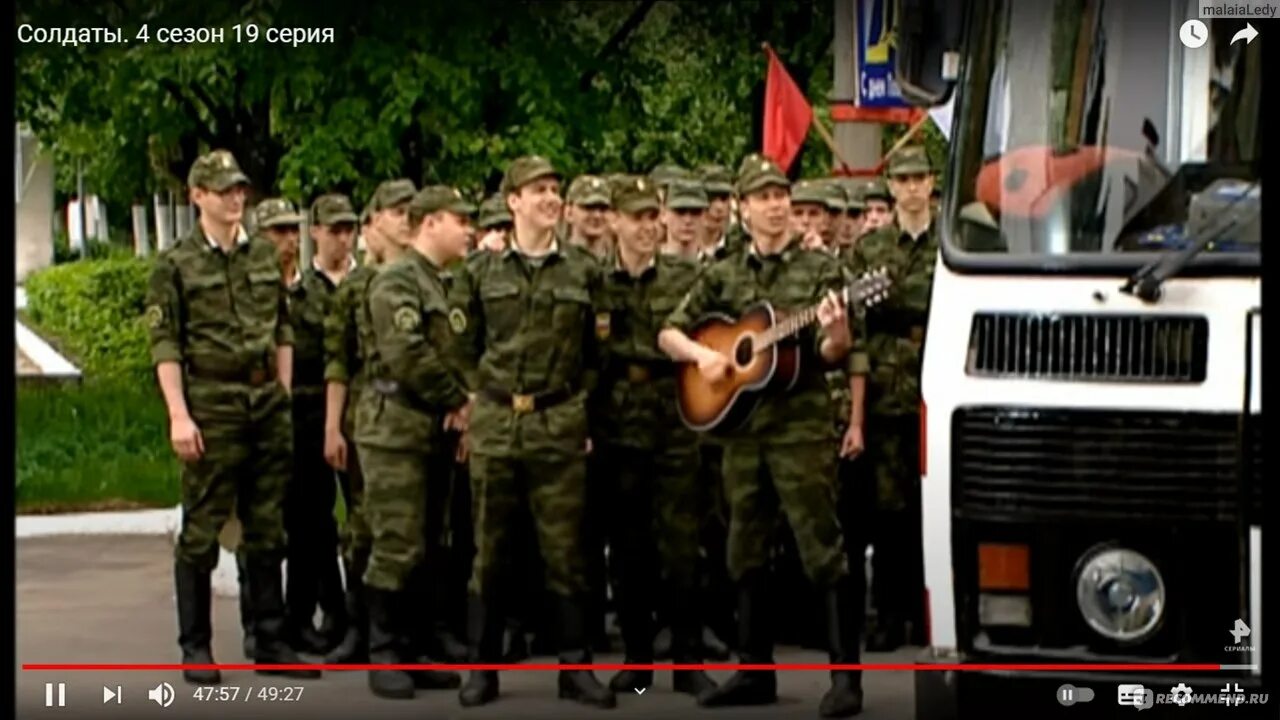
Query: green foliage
{"x": 92, "y": 310}
{"x": 94, "y": 446}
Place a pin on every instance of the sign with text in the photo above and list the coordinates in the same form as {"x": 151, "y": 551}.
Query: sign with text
{"x": 875, "y": 22}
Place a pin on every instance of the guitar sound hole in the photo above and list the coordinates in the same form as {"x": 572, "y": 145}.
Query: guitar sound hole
{"x": 745, "y": 351}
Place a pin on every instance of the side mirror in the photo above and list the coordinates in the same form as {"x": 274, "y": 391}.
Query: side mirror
{"x": 927, "y": 51}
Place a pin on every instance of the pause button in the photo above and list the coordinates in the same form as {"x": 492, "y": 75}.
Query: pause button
{"x": 55, "y": 694}
{"x": 1070, "y": 695}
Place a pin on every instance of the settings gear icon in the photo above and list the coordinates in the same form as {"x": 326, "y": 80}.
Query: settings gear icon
{"x": 1181, "y": 695}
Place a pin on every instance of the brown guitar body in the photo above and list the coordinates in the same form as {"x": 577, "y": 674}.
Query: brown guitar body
{"x": 725, "y": 405}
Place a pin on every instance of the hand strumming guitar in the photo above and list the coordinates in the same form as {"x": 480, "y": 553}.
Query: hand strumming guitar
{"x": 835, "y": 321}
{"x": 713, "y": 365}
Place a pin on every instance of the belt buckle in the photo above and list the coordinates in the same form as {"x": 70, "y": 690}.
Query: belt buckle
{"x": 522, "y": 404}
{"x": 637, "y": 373}
{"x": 257, "y": 376}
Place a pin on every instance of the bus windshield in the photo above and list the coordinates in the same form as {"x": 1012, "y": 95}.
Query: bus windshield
{"x": 1088, "y": 134}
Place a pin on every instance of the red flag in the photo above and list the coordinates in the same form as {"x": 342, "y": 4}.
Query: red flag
{"x": 787, "y": 114}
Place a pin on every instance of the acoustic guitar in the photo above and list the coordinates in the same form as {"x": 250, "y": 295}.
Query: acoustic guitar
{"x": 763, "y": 354}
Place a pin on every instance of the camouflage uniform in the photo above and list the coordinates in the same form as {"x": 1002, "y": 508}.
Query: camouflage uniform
{"x": 652, "y": 458}
{"x": 350, "y": 354}
{"x": 526, "y": 336}
{"x": 221, "y": 316}
{"x": 896, "y": 332}
{"x": 781, "y": 458}
{"x": 406, "y": 457}
{"x": 309, "y": 505}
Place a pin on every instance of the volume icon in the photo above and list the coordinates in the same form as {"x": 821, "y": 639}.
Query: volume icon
{"x": 162, "y": 694}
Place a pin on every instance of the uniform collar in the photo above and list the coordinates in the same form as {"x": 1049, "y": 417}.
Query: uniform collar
{"x": 615, "y": 263}
{"x": 242, "y": 238}
{"x": 754, "y": 257}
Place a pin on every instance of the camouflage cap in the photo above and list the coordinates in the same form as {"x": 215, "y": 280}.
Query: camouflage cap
{"x": 588, "y": 190}
{"x": 493, "y": 211}
{"x": 274, "y": 212}
{"x": 635, "y": 194}
{"x": 748, "y": 162}
{"x": 665, "y": 173}
{"x": 391, "y": 193}
{"x": 687, "y": 195}
{"x": 855, "y": 192}
{"x": 759, "y": 174}
{"x": 910, "y": 160}
{"x": 332, "y": 209}
{"x": 435, "y": 198}
{"x": 524, "y": 170}
{"x": 834, "y": 191}
{"x": 216, "y": 171}
{"x": 716, "y": 179}
{"x": 808, "y": 192}
{"x": 876, "y": 189}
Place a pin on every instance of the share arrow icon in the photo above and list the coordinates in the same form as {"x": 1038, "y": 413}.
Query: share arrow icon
{"x": 1247, "y": 34}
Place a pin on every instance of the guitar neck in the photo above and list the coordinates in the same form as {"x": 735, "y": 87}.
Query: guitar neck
{"x": 797, "y": 322}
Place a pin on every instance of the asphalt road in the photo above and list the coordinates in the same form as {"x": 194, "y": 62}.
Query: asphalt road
{"x": 109, "y": 599}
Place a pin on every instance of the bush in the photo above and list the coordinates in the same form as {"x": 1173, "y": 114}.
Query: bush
{"x": 100, "y": 445}
{"x": 92, "y": 310}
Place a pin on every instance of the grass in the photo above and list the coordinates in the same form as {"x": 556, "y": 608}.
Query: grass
{"x": 98, "y": 445}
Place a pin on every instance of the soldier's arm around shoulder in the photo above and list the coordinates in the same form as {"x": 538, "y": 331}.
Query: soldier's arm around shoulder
{"x": 466, "y": 317}
{"x": 398, "y": 313}
{"x": 165, "y": 311}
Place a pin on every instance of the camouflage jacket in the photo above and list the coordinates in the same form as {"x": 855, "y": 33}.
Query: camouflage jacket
{"x": 419, "y": 384}
{"x": 218, "y": 311}
{"x": 636, "y": 400}
{"x": 309, "y": 301}
{"x": 791, "y": 280}
{"x": 349, "y": 338}
{"x": 896, "y": 327}
{"x": 528, "y": 327}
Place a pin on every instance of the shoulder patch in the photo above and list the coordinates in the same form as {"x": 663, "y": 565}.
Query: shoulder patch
{"x": 407, "y": 319}
{"x": 155, "y": 316}
{"x": 457, "y": 321}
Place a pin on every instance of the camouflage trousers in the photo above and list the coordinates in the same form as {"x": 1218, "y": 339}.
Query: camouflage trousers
{"x": 245, "y": 469}
{"x": 893, "y": 452}
{"x": 553, "y": 489}
{"x": 796, "y": 478}
{"x": 357, "y": 540}
{"x": 405, "y": 505}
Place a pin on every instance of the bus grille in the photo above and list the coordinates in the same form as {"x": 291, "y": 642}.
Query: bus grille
{"x": 1024, "y": 464}
{"x": 1092, "y": 348}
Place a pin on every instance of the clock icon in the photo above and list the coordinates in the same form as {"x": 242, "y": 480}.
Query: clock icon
{"x": 1194, "y": 34}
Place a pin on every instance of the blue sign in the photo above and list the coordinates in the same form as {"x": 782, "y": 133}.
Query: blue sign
{"x": 874, "y": 24}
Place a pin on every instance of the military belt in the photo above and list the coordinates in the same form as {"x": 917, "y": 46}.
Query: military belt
{"x": 523, "y": 404}
{"x": 393, "y": 389}
{"x": 255, "y": 375}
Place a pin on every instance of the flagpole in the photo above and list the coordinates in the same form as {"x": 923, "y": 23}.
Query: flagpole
{"x": 817, "y": 124}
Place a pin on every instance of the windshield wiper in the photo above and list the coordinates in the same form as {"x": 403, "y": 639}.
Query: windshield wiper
{"x": 1147, "y": 283}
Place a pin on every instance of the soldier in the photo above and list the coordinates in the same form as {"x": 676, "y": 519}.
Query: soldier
{"x": 495, "y": 224}
{"x": 313, "y": 542}
{"x": 416, "y": 397}
{"x": 782, "y": 457}
{"x": 665, "y": 173}
{"x": 653, "y": 458}
{"x": 809, "y": 219}
{"x": 849, "y": 229}
{"x": 526, "y": 328}
{"x": 718, "y": 182}
{"x": 896, "y": 337}
{"x": 223, "y": 349}
{"x": 879, "y": 206}
{"x": 587, "y": 213}
{"x": 836, "y": 203}
{"x": 684, "y": 216}
{"x": 349, "y": 347}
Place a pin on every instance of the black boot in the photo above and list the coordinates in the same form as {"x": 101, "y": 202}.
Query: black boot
{"x": 333, "y": 603}
{"x": 268, "y": 609}
{"x": 635, "y": 618}
{"x": 195, "y": 630}
{"x": 384, "y": 647}
{"x": 686, "y": 649}
{"x": 749, "y": 687}
{"x": 354, "y": 647}
{"x": 485, "y": 626}
{"x": 246, "y": 608}
{"x": 844, "y": 699}
{"x": 423, "y": 679}
{"x": 300, "y": 591}
{"x": 575, "y": 649}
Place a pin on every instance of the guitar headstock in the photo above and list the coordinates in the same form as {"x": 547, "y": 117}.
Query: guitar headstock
{"x": 872, "y": 287}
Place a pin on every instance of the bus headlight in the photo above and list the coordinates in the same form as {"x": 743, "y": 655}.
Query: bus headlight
{"x": 1120, "y": 593}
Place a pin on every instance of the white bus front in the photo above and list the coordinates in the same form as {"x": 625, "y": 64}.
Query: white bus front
{"x": 1091, "y": 376}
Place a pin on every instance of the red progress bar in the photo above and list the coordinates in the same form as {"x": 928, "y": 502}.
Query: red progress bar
{"x": 545, "y": 667}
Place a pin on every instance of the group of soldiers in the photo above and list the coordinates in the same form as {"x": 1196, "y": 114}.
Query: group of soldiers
{"x": 497, "y": 403}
